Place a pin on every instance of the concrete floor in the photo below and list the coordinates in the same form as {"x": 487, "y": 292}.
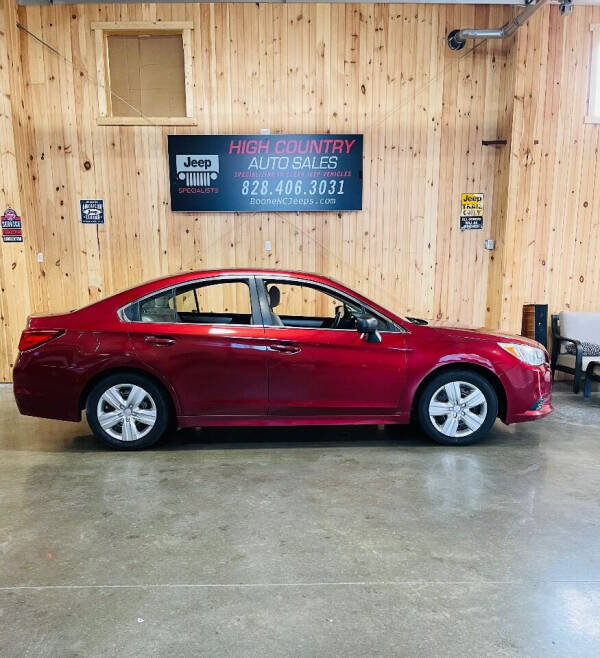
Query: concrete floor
{"x": 308, "y": 542}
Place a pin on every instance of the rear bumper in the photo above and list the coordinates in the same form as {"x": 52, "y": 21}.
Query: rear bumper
{"x": 30, "y": 403}
{"x": 46, "y": 388}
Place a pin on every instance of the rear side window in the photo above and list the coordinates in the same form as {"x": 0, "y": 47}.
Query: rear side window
{"x": 226, "y": 302}
{"x": 156, "y": 308}
{"x": 213, "y": 302}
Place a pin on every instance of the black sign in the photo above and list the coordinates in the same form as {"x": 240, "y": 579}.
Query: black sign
{"x": 92, "y": 211}
{"x": 266, "y": 173}
{"x": 469, "y": 223}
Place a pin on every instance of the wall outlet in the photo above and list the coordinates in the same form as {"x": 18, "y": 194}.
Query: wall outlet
{"x": 40, "y": 257}
{"x": 268, "y": 245}
{"x": 489, "y": 244}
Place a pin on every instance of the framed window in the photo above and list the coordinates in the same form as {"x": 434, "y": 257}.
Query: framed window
{"x": 144, "y": 72}
{"x": 303, "y": 305}
{"x": 217, "y": 302}
{"x": 157, "y": 308}
{"x": 200, "y": 302}
{"x": 593, "y": 112}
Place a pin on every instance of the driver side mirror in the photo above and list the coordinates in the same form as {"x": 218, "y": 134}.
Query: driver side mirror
{"x": 367, "y": 325}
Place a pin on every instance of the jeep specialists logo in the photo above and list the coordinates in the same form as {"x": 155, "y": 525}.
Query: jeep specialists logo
{"x": 197, "y": 170}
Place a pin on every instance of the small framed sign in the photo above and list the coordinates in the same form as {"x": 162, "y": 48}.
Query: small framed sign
{"x": 92, "y": 211}
{"x": 471, "y": 211}
{"x": 470, "y": 223}
{"x": 11, "y": 226}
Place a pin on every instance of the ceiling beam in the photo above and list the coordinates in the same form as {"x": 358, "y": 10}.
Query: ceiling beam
{"x": 433, "y": 2}
{"x": 436, "y": 2}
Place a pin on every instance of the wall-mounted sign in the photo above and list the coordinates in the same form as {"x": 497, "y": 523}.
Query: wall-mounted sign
{"x": 469, "y": 223}
{"x": 12, "y": 230}
{"x": 471, "y": 211}
{"x": 266, "y": 173}
{"x": 92, "y": 211}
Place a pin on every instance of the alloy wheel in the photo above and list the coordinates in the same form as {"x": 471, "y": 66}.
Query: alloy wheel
{"x": 457, "y": 409}
{"x": 126, "y": 412}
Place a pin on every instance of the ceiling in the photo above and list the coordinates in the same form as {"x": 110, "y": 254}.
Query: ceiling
{"x": 438, "y": 2}
{"x": 443, "y": 2}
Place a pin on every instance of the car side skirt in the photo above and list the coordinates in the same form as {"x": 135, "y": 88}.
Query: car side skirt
{"x": 280, "y": 421}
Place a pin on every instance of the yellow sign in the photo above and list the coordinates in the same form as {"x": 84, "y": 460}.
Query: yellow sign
{"x": 471, "y": 205}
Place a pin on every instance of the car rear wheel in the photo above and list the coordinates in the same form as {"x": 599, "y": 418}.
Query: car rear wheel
{"x": 458, "y": 407}
{"x": 127, "y": 411}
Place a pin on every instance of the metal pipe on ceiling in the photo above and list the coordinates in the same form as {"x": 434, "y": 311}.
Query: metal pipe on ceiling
{"x": 458, "y": 38}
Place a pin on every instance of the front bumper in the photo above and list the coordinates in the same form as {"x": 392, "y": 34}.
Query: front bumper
{"x": 533, "y": 414}
{"x": 527, "y": 386}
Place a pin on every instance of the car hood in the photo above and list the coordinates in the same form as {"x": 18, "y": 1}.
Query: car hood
{"x": 482, "y": 333}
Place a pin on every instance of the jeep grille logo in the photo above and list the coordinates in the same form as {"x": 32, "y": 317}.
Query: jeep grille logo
{"x": 197, "y": 170}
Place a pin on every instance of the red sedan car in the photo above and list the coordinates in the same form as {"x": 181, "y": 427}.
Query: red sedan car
{"x": 265, "y": 347}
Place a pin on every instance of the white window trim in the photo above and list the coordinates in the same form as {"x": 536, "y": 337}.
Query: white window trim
{"x": 593, "y": 113}
{"x": 104, "y": 29}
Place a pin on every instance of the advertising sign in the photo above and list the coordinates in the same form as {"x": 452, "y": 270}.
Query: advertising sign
{"x": 469, "y": 223}
{"x": 471, "y": 211}
{"x": 266, "y": 173}
{"x": 92, "y": 211}
{"x": 12, "y": 230}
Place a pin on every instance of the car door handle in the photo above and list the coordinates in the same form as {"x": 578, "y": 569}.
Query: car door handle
{"x": 160, "y": 340}
{"x": 286, "y": 348}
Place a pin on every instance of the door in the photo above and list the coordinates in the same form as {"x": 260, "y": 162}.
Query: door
{"x": 318, "y": 363}
{"x": 207, "y": 340}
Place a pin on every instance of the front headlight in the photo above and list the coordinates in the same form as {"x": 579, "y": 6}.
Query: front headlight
{"x": 533, "y": 356}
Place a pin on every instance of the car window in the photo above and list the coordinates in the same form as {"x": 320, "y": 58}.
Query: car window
{"x": 158, "y": 308}
{"x": 300, "y": 305}
{"x": 226, "y": 302}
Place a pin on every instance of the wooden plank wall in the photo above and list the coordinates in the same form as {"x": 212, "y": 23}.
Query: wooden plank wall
{"x": 551, "y": 244}
{"x": 382, "y": 70}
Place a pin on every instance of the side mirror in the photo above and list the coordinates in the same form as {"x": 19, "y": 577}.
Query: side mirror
{"x": 367, "y": 325}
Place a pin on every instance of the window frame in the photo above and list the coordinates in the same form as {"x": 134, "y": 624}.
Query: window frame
{"x": 102, "y": 30}
{"x": 256, "y": 315}
{"x": 593, "y": 113}
{"x": 261, "y": 284}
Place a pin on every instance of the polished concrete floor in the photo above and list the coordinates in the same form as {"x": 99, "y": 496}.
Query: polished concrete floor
{"x": 308, "y": 542}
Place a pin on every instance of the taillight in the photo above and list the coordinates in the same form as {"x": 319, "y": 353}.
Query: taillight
{"x": 31, "y": 338}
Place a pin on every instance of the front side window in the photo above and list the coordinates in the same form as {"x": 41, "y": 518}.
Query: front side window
{"x": 301, "y": 305}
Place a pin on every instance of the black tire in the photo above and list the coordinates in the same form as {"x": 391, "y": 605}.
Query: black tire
{"x": 155, "y": 402}
{"x": 487, "y": 412}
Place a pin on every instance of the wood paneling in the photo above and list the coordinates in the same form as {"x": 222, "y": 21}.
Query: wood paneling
{"x": 551, "y": 247}
{"x": 382, "y": 70}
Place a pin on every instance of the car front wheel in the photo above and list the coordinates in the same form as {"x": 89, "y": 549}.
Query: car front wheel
{"x": 458, "y": 407}
{"x": 127, "y": 411}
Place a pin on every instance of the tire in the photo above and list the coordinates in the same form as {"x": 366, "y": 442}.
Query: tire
{"x": 125, "y": 424}
{"x": 467, "y": 403}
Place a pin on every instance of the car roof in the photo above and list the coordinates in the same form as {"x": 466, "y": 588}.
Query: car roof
{"x": 182, "y": 277}
{"x": 124, "y": 297}
{"x": 257, "y": 271}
